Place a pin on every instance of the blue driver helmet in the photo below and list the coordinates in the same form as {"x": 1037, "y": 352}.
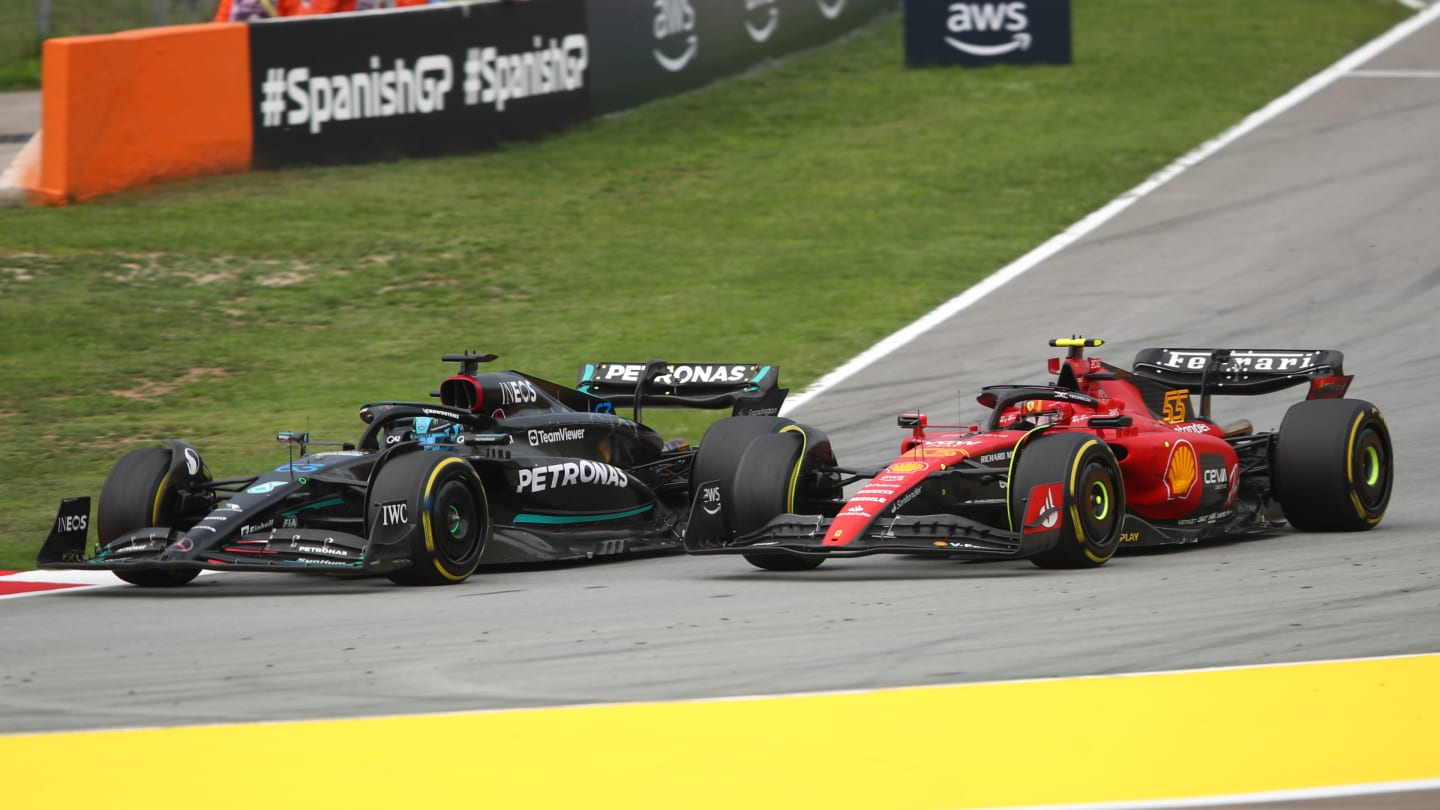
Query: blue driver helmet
{"x": 430, "y": 430}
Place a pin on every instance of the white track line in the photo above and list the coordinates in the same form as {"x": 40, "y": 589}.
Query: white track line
{"x": 1395, "y": 74}
{"x": 1015, "y": 269}
{"x": 1337, "y": 792}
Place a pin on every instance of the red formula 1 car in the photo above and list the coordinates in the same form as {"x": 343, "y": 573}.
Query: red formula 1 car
{"x": 1067, "y": 472}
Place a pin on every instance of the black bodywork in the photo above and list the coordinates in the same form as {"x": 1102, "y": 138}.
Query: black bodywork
{"x": 561, "y": 476}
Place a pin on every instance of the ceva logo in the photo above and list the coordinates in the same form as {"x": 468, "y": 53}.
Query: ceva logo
{"x": 762, "y": 17}
{"x": 988, "y": 18}
{"x": 675, "y": 23}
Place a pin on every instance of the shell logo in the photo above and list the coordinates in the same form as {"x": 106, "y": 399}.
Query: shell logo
{"x": 1181, "y": 471}
{"x": 908, "y": 467}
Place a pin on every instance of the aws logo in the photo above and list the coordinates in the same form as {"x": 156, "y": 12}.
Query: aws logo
{"x": 986, "y": 22}
{"x": 675, "y": 37}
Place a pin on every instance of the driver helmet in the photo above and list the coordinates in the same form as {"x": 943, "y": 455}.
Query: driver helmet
{"x": 432, "y": 430}
{"x": 1033, "y": 413}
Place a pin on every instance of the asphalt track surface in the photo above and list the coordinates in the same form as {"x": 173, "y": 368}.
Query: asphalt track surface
{"x": 1317, "y": 229}
{"x": 19, "y": 121}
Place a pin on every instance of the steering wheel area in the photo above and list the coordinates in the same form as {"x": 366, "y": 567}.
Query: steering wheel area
{"x": 1025, "y": 407}
{"x": 389, "y": 424}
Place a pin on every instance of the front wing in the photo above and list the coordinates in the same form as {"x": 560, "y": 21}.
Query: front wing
{"x": 160, "y": 547}
{"x": 804, "y": 535}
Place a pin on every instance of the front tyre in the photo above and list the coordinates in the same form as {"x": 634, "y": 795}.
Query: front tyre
{"x": 766, "y": 478}
{"x": 137, "y": 494}
{"x": 447, "y": 517}
{"x": 724, "y": 443}
{"x": 1333, "y": 469}
{"x": 1083, "y": 495}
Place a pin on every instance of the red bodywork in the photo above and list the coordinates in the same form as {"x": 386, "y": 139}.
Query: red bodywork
{"x": 1177, "y": 465}
{"x": 1177, "y": 476}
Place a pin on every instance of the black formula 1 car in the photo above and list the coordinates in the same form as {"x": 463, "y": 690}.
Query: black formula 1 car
{"x": 1067, "y": 472}
{"x": 507, "y": 468}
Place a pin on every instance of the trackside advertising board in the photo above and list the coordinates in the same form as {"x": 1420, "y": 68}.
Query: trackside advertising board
{"x": 648, "y": 49}
{"x": 987, "y": 32}
{"x": 376, "y": 85}
{"x": 383, "y": 84}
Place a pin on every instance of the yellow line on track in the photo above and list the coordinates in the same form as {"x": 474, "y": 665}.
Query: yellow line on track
{"x": 1099, "y": 739}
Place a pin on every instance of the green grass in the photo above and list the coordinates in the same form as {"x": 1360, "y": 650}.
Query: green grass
{"x": 793, "y": 216}
{"x": 21, "y": 74}
{"x": 22, "y": 29}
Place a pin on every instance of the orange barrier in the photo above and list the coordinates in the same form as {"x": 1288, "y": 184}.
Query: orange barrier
{"x": 123, "y": 110}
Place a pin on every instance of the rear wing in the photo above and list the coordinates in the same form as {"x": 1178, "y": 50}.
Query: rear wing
{"x": 748, "y": 389}
{"x": 1245, "y": 371}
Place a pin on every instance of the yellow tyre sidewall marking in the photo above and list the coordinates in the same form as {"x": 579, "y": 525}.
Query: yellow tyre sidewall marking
{"x": 425, "y": 516}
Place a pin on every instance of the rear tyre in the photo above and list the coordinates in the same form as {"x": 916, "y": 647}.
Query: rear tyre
{"x": 1333, "y": 470}
{"x": 137, "y": 494}
{"x": 451, "y": 517}
{"x": 1091, "y": 499}
{"x": 766, "y": 478}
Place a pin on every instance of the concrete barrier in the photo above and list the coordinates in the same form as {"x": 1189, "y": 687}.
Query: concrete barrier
{"x": 123, "y": 110}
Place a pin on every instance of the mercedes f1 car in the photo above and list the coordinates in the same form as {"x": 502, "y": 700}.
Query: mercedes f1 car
{"x": 1067, "y": 472}
{"x": 506, "y": 468}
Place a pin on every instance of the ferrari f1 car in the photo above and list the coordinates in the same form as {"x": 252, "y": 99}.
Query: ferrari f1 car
{"x": 1067, "y": 472}
{"x": 506, "y": 468}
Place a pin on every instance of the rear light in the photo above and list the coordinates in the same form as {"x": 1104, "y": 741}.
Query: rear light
{"x": 1330, "y": 387}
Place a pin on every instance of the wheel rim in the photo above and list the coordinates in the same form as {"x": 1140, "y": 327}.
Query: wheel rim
{"x": 1099, "y": 500}
{"x": 455, "y": 508}
{"x": 1097, "y": 505}
{"x": 1371, "y": 469}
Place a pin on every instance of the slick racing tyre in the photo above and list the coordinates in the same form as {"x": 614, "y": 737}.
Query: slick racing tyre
{"x": 724, "y": 443}
{"x": 1080, "y": 473}
{"x": 1332, "y": 470}
{"x": 138, "y": 493}
{"x": 764, "y": 487}
{"x": 447, "y": 513}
